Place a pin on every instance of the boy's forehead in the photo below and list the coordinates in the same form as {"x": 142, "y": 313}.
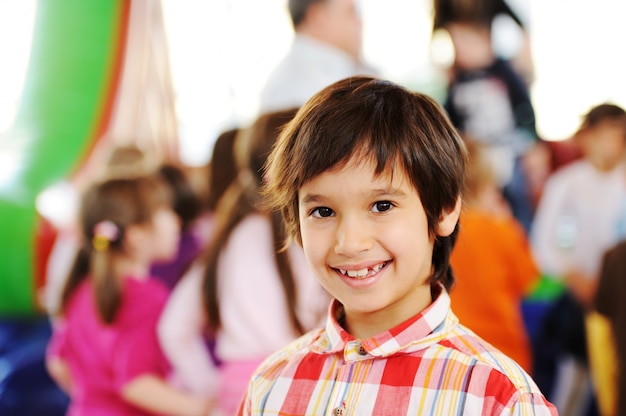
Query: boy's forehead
{"x": 366, "y": 164}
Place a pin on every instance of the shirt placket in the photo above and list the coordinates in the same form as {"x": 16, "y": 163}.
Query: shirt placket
{"x": 353, "y": 353}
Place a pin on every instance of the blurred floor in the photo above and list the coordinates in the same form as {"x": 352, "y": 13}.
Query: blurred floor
{"x": 26, "y": 389}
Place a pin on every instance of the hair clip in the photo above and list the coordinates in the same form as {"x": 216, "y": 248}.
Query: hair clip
{"x": 103, "y": 233}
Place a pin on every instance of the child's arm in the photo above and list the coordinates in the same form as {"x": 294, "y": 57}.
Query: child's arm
{"x": 154, "y": 394}
{"x": 60, "y": 373}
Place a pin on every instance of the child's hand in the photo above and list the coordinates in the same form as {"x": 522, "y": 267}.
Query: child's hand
{"x": 208, "y": 407}
{"x": 583, "y": 287}
{"x": 155, "y": 395}
{"x": 60, "y": 373}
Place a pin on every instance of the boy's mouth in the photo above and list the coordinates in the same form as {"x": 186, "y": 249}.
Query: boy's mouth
{"x": 363, "y": 273}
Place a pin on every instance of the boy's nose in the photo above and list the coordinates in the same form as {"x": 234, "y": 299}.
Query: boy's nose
{"x": 352, "y": 237}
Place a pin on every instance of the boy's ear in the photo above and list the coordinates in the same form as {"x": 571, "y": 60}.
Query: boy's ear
{"x": 448, "y": 220}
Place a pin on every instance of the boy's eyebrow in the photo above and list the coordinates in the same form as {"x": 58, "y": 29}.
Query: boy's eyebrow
{"x": 390, "y": 191}
{"x": 312, "y": 198}
{"x": 372, "y": 194}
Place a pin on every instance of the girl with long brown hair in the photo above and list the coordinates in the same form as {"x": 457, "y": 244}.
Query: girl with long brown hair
{"x": 250, "y": 295}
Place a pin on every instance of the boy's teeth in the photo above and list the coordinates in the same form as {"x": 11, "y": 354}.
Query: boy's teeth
{"x": 363, "y": 272}
{"x": 357, "y": 273}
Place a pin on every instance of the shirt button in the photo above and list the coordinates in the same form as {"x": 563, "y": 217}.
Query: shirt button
{"x": 362, "y": 350}
{"x": 340, "y": 411}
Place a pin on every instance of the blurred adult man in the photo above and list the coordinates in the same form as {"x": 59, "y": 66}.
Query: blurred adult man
{"x": 326, "y": 48}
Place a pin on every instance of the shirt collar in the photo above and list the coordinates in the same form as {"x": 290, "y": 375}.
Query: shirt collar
{"x": 422, "y": 330}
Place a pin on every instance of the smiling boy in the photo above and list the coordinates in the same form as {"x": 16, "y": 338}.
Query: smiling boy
{"x": 368, "y": 177}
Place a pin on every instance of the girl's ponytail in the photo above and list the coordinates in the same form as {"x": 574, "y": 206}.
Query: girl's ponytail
{"x": 94, "y": 258}
{"x": 78, "y": 273}
{"x": 106, "y": 286}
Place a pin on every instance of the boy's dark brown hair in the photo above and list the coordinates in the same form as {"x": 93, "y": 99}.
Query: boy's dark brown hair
{"x": 372, "y": 118}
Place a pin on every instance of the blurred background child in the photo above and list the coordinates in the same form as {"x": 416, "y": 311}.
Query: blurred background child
{"x": 104, "y": 351}
{"x": 492, "y": 256}
{"x": 247, "y": 295}
{"x": 489, "y": 100}
{"x": 122, "y": 161}
{"x": 188, "y": 208}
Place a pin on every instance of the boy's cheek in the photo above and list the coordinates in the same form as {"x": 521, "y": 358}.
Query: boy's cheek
{"x": 313, "y": 249}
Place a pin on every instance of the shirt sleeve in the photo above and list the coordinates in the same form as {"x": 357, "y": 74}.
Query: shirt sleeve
{"x": 503, "y": 398}
{"x": 530, "y": 404}
{"x": 180, "y": 331}
{"x": 137, "y": 355}
{"x": 137, "y": 351}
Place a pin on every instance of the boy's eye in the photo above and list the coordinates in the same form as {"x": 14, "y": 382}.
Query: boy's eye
{"x": 322, "y": 212}
{"x": 382, "y": 206}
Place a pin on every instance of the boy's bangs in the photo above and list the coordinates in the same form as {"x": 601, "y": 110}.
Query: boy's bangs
{"x": 366, "y": 151}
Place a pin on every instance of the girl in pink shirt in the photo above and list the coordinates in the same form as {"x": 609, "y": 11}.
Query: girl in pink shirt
{"x": 104, "y": 351}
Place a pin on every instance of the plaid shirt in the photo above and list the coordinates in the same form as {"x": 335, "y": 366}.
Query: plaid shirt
{"x": 429, "y": 364}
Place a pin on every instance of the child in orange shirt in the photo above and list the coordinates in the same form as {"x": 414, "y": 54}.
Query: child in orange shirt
{"x": 492, "y": 256}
